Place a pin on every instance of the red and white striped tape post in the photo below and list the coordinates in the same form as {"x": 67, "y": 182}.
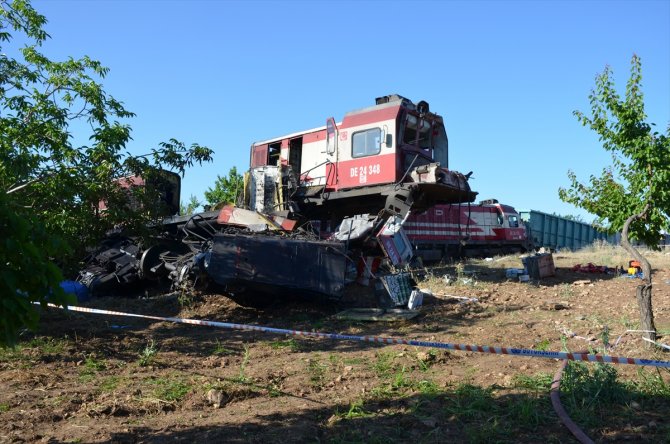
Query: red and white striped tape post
{"x": 377, "y": 339}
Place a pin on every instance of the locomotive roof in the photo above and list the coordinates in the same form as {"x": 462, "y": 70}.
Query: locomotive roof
{"x": 292, "y": 135}
{"x": 389, "y": 101}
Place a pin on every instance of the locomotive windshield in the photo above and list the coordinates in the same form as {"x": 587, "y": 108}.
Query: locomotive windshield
{"x": 424, "y": 135}
{"x": 513, "y": 221}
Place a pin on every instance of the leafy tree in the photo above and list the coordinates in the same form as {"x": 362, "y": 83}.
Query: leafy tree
{"x": 189, "y": 208}
{"x": 633, "y": 194}
{"x": 226, "y": 189}
{"x": 51, "y": 189}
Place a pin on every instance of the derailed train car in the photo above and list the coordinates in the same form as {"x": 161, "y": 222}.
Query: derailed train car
{"x": 381, "y": 162}
{"x": 392, "y": 155}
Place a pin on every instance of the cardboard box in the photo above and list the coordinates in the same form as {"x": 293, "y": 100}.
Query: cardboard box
{"x": 540, "y": 265}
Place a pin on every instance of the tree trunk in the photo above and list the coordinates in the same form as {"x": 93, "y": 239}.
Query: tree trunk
{"x": 643, "y": 292}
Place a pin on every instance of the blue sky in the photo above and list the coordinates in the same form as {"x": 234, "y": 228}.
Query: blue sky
{"x": 506, "y": 76}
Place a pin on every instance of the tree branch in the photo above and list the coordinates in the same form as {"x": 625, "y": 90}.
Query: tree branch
{"x": 35, "y": 180}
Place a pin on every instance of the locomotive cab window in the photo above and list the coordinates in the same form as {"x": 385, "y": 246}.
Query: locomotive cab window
{"x": 418, "y": 132}
{"x": 366, "y": 143}
{"x": 513, "y": 221}
{"x": 274, "y": 150}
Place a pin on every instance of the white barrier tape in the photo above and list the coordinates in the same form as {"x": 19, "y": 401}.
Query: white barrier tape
{"x": 658, "y": 344}
{"x": 377, "y": 339}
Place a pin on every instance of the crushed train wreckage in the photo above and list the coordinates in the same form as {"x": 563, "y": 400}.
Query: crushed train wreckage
{"x": 319, "y": 210}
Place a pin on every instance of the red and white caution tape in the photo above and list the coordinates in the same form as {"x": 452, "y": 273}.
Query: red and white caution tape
{"x": 377, "y": 339}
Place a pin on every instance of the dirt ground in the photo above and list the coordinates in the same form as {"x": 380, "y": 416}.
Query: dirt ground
{"x": 98, "y": 378}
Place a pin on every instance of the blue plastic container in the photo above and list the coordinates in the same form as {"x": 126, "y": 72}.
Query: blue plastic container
{"x": 77, "y": 289}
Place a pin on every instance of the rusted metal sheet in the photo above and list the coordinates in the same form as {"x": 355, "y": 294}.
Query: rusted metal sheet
{"x": 277, "y": 265}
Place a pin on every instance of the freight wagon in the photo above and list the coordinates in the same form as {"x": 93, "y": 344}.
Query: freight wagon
{"x": 485, "y": 229}
{"x": 556, "y": 232}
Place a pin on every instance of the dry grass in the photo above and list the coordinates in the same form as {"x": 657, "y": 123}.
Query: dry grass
{"x": 598, "y": 253}
{"x": 467, "y": 276}
{"x": 609, "y": 255}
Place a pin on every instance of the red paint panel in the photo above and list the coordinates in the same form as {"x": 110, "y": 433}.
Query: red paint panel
{"x": 225, "y": 214}
{"x": 259, "y": 155}
{"x": 130, "y": 181}
{"x": 448, "y": 223}
{"x": 365, "y": 171}
{"x": 331, "y": 176}
{"x": 510, "y": 233}
{"x": 446, "y": 238}
{"x": 314, "y": 137}
{"x": 124, "y": 182}
{"x": 286, "y": 224}
{"x": 452, "y": 214}
{"x": 367, "y": 117}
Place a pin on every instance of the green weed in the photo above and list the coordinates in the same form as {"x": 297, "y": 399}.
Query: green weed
{"x": 530, "y": 411}
{"x": 356, "y": 410}
{"x": 4, "y": 408}
{"x": 242, "y": 377}
{"x": 651, "y": 383}
{"x": 540, "y": 382}
{"x": 185, "y": 300}
{"x": 90, "y": 368}
{"x": 317, "y": 372}
{"x": 383, "y": 391}
{"x": 336, "y": 362}
{"x": 290, "y": 344}
{"x": 384, "y": 365}
{"x": 148, "y": 354}
{"x": 425, "y": 364}
{"x": 428, "y": 388}
{"x": 401, "y": 380}
{"x": 49, "y": 346}
{"x": 170, "y": 389}
{"x": 353, "y": 361}
{"x": 109, "y": 384}
{"x": 11, "y": 354}
{"x": 587, "y": 393}
{"x": 532, "y": 408}
{"x": 605, "y": 336}
{"x": 42, "y": 345}
{"x": 93, "y": 364}
{"x": 543, "y": 345}
{"x": 401, "y": 383}
{"x": 470, "y": 401}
